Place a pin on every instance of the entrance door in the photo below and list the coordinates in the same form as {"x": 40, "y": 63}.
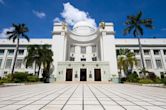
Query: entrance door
{"x": 69, "y": 74}
{"x": 82, "y": 74}
{"x": 97, "y": 75}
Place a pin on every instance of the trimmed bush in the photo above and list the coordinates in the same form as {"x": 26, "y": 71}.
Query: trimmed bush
{"x": 145, "y": 81}
{"x": 164, "y": 81}
{"x": 1, "y": 82}
{"x": 20, "y": 77}
{"x": 133, "y": 77}
{"x": 32, "y": 78}
{"x": 151, "y": 76}
{"x": 158, "y": 80}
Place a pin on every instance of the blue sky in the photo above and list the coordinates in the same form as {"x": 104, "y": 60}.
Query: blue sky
{"x": 38, "y": 15}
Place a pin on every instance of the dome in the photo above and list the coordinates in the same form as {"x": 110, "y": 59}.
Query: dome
{"x": 83, "y": 24}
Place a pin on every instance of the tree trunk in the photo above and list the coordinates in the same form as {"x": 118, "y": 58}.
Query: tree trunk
{"x": 35, "y": 68}
{"x": 39, "y": 70}
{"x": 15, "y": 58}
{"x": 141, "y": 53}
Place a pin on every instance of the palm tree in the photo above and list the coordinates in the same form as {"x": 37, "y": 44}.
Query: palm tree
{"x": 41, "y": 55}
{"x": 126, "y": 61}
{"x": 46, "y": 61}
{"x": 33, "y": 57}
{"x": 18, "y": 32}
{"x": 135, "y": 24}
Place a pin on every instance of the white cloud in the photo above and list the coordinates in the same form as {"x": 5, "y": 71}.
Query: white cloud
{"x": 4, "y": 31}
{"x": 57, "y": 19}
{"x": 2, "y": 2}
{"x": 73, "y": 15}
{"x": 39, "y": 14}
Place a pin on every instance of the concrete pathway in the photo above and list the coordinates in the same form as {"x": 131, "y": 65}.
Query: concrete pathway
{"x": 82, "y": 96}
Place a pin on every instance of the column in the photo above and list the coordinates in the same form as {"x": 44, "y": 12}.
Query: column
{"x": 153, "y": 59}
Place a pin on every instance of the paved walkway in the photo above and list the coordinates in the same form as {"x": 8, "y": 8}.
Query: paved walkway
{"x": 82, "y": 97}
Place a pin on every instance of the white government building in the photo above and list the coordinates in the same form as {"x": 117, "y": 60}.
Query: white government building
{"x": 86, "y": 53}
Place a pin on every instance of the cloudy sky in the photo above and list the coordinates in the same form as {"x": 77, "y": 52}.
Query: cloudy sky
{"x": 39, "y": 15}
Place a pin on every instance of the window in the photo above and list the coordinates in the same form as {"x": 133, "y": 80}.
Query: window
{"x": 72, "y": 58}
{"x": 83, "y": 59}
{"x": 136, "y": 52}
{"x": 83, "y": 49}
{"x": 139, "y": 64}
{"x": 18, "y": 63}
{"x": 164, "y": 52}
{"x": 146, "y": 52}
{"x": 90, "y": 75}
{"x": 72, "y": 48}
{"x": 10, "y": 52}
{"x": 93, "y": 48}
{"x": 117, "y": 52}
{"x": 1, "y": 52}
{"x": 8, "y": 63}
{"x": 20, "y": 52}
{"x": 94, "y": 59}
{"x": 156, "y": 52}
{"x": 162, "y": 75}
{"x": 0, "y": 62}
{"x": 148, "y": 63}
{"x": 159, "y": 64}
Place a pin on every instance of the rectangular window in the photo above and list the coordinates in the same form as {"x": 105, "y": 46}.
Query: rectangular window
{"x": 83, "y": 49}
{"x": 0, "y": 62}
{"x": 72, "y": 58}
{"x": 159, "y": 64}
{"x": 117, "y": 52}
{"x": 18, "y": 63}
{"x": 156, "y": 52}
{"x": 8, "y": 63}
{"x": 20, "y": 52}
{"x": 148, "y": 63}
{"x": 1, "y": 52}
{"x": 164, "y": 52}
{"x": 83, "y": 59}
{"x": 136, "y": 52}
{"x": 94, "y": 59}
{"x": 146, "y": 52}
{"x": 139, "y": 64}
{"x": 10, "y": 52}
{"x": 93, "y": 48}
{"x": 72, "y": 48}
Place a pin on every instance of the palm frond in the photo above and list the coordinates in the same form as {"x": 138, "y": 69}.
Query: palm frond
{"x": 139, "y": 15}
{"x": 11, "y": 36}
{"x": 140, "y": 30}
{"x": 14, "y": 38}
{"x": 26, "y": 37}
{"x": 128, "y": 30}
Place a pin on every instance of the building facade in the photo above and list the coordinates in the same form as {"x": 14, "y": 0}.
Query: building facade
{"x": 86, "y": 53}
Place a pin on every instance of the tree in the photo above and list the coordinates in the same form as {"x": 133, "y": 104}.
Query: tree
{"x": 46, "y": 61}
{"x": 41, "y": 55}
{"x": 135, "y": 24}
{"x": 18, "y": 32}
{"x": 126, "y": 61}
{"x": 33, "y": 57}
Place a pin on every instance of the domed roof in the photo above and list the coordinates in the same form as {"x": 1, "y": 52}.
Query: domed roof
{"x": 83, "y": 24}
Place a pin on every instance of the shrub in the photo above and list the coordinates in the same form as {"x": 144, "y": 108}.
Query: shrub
{"x": 158, "y": 80}
{"x": 145, "y": 81}
{"x": 19, "y": 77}
{"x": 133, "y": 77}
{"x": 151, "y": 76}
{"x": 123, "y": 79}
{"x": 1, "y": 82}
{"x": 32, "y": 78}
{"x": 163, "y": 81}
{"x": 6, "y": 79}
